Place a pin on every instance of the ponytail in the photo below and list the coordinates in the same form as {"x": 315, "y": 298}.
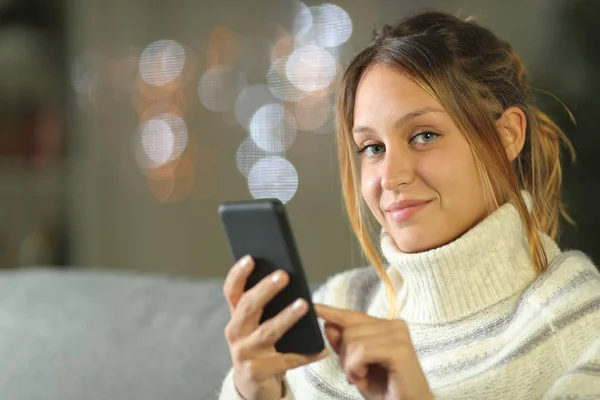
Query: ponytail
{"x": 541, "y": 173}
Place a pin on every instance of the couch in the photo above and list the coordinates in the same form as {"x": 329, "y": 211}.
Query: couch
{"x": 99, "y": 335}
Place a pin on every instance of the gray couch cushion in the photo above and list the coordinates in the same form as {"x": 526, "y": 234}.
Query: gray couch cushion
{"x": 89, "y": 335}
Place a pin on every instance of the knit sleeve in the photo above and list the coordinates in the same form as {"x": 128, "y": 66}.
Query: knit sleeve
{"x": 229, "y": 391}
{"x": 575, "y": 321}
{"x": 582, "y": 380}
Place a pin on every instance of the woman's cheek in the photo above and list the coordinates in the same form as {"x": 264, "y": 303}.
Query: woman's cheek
{"x": 371, "y": 188}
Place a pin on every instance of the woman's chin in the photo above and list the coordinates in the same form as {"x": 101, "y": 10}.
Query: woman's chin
{"x": 411, "y": 249}
{"x": 414, "y": 242}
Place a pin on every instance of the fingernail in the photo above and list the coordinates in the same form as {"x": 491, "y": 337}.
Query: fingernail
{"x": 276, "y": 277}
{"x": 297, "y": 304}
{"x": 245, "y": 261}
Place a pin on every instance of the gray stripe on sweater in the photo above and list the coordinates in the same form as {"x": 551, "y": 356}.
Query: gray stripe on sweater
{"x": 313, "y": 378}
{"x": 360, "y": 291}
{"x": 364, "y": 291}
{"x": 537, "y": 338}
{"x": 589, "y": 368}
{"x": 498, "y": 325}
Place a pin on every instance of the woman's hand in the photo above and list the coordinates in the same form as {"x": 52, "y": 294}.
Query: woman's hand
{"x": 257, "y": 366}
{"x": 376, "y": 354}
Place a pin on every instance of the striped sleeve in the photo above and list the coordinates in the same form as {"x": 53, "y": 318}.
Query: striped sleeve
{"x": 229, "y": 391}
{"x": 582, "y": 380}
{"x": 576, "y": 321}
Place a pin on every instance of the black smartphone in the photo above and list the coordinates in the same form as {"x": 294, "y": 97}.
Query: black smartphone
{"x": 260, "y": 228}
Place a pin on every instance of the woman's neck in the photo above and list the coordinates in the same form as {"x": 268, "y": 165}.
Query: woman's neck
{"x": 486, "y": 265}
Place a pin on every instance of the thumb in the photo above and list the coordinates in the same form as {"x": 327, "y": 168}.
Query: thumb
{"x": 334, "y": 336}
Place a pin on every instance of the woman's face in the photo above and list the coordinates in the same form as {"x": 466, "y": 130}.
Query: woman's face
{"x": 418, "y": 173}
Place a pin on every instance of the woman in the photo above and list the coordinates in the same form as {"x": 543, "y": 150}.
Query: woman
{"x": 462, "y": 173}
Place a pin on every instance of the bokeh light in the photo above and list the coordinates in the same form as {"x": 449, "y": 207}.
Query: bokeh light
{"x": 271, "y": 130}
{"x": 303, "y": 19}
{"x": 189, "y": 74}
{"x": 299, "y": 67}
{"x": 163, "y": 139}
{"x": 180, "y": 133}
{"x": 312, "y": 112}
{"x": 78, "y": 70}
{"x": 219, "y": 88}
{"x": 328, "y": 127}
{"x": 283, "y": 47}
{"x": 331, "y": 25}
{"x": 280, "y": 86}
{"x": 311, "y": 68}
{"x": 164, "y": 171}
{"x": 223, "y": 48}
{"x": 162, "y": 188}
{"x": 249, "y": 101}
{"x": 184, "y": 180}
{"x": 85, "y": 79}
{"x": 174, "y": 181}
{"x": 273, "y": 177}
{"x": 248, "y": 153}
{"x": 158, "y": 141}
{"x": 148, "y": 94}
{"x": 150, "y": 109}
{"x": 162, "y": 62}
{"x": 84, "y": 71}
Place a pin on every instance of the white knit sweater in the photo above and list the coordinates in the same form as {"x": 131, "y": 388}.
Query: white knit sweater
{"x": 483, "y": 325}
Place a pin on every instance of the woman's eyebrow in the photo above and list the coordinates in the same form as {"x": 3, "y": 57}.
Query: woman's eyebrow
{"x": 401, "y": 121}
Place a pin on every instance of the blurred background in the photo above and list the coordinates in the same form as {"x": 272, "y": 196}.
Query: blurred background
{"x": 124, "y": 124}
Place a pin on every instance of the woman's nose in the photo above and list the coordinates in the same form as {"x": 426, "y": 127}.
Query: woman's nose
{"x": 397, "y": 170}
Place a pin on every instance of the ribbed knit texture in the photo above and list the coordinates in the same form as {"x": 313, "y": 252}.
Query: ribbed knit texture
{"x": 484, "y": 325}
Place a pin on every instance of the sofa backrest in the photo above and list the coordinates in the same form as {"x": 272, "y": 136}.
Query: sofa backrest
{"x": 89, "y": 335}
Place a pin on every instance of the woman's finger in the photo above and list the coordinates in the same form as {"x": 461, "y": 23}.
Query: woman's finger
{"x": 338, "y": 336}
{"x": 380, "y": 328}
{"x": 334, "y": 336}
{"x": 342, "y": 317}
{"x": 235, "y": 281}
{"x": 249, "y": 308}
{"x": 359, "y": 354}
{"x": 271, "y": 330}
{"x": 279, "y": 363}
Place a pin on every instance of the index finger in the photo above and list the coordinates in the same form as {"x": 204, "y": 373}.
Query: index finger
{"x": 341, "y": 317}
{"x": 235, "y": 282}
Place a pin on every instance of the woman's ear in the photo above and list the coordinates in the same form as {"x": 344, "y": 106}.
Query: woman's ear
{"x": 512, "y": 126}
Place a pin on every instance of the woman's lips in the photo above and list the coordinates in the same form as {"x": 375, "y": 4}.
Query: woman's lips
{"x": 403, "y": 211}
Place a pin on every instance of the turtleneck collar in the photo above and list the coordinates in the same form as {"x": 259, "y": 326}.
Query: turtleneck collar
{"x": 484, "y": 266}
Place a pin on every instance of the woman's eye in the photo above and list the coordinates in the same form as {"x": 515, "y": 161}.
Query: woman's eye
{"x": 424, "y": 137}
{"x": 372, "y": 150}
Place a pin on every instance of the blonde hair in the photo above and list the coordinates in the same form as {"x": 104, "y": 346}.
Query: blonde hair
{"x": 475, "y": 76}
